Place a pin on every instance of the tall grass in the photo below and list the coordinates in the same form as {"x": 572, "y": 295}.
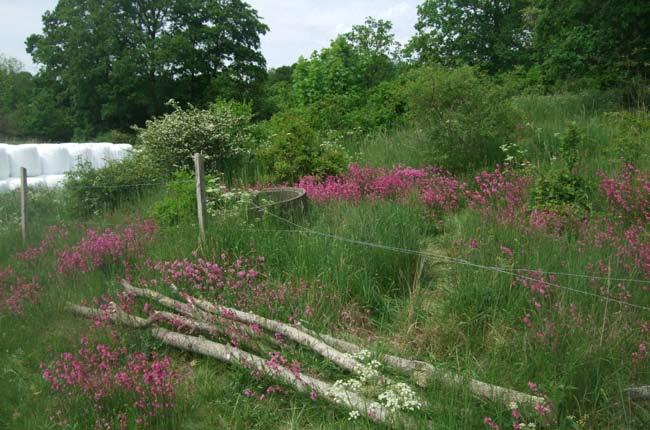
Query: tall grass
{"x": 464, "y": 318}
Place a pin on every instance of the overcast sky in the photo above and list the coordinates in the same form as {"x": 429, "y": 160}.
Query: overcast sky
{"x": 297, "y": 26}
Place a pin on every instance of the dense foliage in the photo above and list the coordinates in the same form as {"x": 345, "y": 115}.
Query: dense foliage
{"x": 89, "y": 191}
{"x": 192, "y": 51}
{"x": 490, "y": 34}
{"x": 221, "y": 133}
{"x": 461, "y": 212}
{"x": 94, "y": 79}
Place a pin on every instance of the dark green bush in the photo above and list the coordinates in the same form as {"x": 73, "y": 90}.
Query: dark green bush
{"x": 89, "y": 191}
{"x": 558, "y": 187}
{"x": 295, "y": 149}
{"x": 179, "y": 204}
{"x": 464, "y": 114}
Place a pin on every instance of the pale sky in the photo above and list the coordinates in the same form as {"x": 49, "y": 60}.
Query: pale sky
{"x": 297, "y": 27}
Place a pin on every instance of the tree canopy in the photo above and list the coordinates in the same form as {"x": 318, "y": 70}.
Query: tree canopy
{"x": 115, "y": 63}
{"x": 488, "y": 33}
{"x": 603, "y": 41}
{"x": 354, "y": 61}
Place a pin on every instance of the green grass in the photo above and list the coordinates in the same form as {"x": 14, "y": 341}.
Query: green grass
{"x": 453, "y": 315}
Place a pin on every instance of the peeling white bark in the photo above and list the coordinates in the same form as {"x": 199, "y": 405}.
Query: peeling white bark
{"x": 297, "y": 335}
{"x": 423, "y": 373}
{"x": 230, "y": 354}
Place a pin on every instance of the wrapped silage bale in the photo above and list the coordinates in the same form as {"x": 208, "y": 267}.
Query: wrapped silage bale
{"x": 13, "y": 183}
{"x": 5, "y": 167}
{"x": 79, "y": 153}
{"x": 101, "y": 152}
{"x": 4, "y": 186}
{"x": 120, "y": 151}
{"x": 37, "y": 181}
{"x": 24, "y": 156}
{"x": 54, "y": 181}
{"x": 55, "y": 159}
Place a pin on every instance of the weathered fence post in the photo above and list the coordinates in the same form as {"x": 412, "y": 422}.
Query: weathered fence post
{"x": 200, "y": 194}
{"x": 23, "y": 203}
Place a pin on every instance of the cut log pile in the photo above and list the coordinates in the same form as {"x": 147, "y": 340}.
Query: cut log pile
{"x": 259, "y": 334}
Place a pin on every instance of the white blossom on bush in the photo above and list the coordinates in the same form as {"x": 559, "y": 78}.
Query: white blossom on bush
{"x": 220, "y": 133}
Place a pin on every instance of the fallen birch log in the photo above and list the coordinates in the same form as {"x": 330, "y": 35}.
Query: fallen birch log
{"x": 345, "y": 361}
{"x": 230, "y": 354}
{"x": 640, "y": 393}
{"x": 190, "y": 311}
{"x": 423, "y": 372}
{"x": 338, "y": 351}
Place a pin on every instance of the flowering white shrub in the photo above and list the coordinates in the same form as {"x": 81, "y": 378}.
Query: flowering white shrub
{"x": 220, "y": 198}
{"x": 399, "y": 397}
{"x": 220, "y": 133}
{"x": 394, "y": 397}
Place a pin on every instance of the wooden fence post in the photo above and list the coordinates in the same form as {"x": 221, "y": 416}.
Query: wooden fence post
{"x": 23, "y": 203}
{"x": 200, "y": 194}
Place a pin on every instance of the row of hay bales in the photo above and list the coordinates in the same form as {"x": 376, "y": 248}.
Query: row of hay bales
{"x": 47, "y": 163}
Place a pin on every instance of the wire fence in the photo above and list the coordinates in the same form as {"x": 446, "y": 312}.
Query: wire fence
{"x": 496, "y": 269}
{"x": 519, "y": 273}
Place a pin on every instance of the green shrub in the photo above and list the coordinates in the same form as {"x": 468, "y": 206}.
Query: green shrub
{"x": 570, "y": 142}
{"x": 465, "y": 115}
{"x": 558, "y": 187}
{"x": 295, "y": 149}
{"x": 632, "y": 142}
{"x": 221, "y": 133}
{"x": 179, "y": 204}
{"x": 89, "y": 191}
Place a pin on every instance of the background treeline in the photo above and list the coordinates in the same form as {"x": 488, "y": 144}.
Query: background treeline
{"x": 106, "y": 66}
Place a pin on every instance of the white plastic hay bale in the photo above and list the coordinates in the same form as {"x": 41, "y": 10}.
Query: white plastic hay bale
{"x": 37, "y": 181}
{"x": 24, "y": 156}
{"x": 55, "y": 159}
{"x": 79, "y": 153}
{"x": 5, "y": 167}
{"x": 54, "y": 181}
{"x": 13, "y": 183}
{"x": 119, "y": 151}
{"x": 101, "y": 152}
{"x": 4, "y": 186}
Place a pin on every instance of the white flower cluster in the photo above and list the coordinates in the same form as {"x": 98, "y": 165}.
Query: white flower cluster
{"x": 400, "y": 397}
{"x": 220, "y": 198}
{"x": 515, "y": 154}
{"x": 370, "y": 370}
{"x": 363, "y": 355}
{"x": 354, "y": 415}
{"x": 341, "y": 387}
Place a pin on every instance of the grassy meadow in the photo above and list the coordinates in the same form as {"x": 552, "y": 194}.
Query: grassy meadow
{"x": 573, "y": 329}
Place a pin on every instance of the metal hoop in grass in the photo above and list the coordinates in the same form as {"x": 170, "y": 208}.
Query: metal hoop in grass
{"x": 283, "y": 201}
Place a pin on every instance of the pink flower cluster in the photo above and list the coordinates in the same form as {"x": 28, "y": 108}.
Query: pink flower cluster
{"x": 434, "y": 187}
{"x": 98, "y": 249}
{"x": 549, "y": 221}
{"x": 630, "y": 244}
{"x": 239, "y": 281}
{"x": 628, "y": 193}
{"x": 16, "y": 290}
{"x": 536, "y": 283}
{"x": 54, "y": 234}
{"x": 503, "y": 191}
{"x": 99, "y": 372}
